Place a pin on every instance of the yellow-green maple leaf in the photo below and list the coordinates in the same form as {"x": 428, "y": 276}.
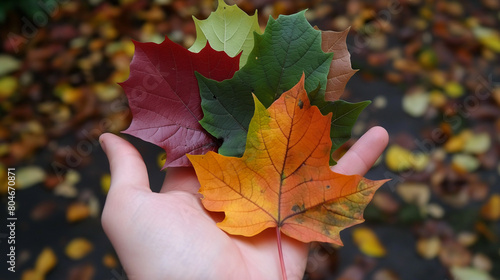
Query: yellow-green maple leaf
{"x": 228, "y": 29}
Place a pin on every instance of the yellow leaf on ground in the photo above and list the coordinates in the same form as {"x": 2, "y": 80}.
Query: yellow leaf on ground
{"x": 78, "y": 248}
{"x": 428, "y": 248}
{"x": 478, "y": 143}
{"x": 399, "y": 159}
{"x": 46, "y": 261}
{"x": 454, "y": 89}
{"x": 77, "y": 212}
{"x": 491, "y": 210}
{"x": 32, "y": 274}
{"x": 368, "y": 242}
{"x": 465, "y": 163}
{"x": 8, "y": 85}
{"x": 109, "y": 261}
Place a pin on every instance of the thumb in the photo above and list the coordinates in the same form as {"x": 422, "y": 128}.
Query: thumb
{"x": 129, "y": 179}
{"x": 128, "y": 171}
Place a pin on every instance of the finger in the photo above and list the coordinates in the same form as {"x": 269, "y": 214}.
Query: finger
{"x": 128, "y": 171}
{"x": 362, "y": 155}
{"x": 181, "y": 179}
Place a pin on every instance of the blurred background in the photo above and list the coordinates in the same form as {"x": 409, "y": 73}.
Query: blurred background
{"x": 430, "y": 68}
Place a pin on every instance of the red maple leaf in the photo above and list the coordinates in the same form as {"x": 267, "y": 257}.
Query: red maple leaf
{"x": 164, "y": 97}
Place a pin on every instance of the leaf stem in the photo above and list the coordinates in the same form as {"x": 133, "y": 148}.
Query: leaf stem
{"x": 280, "y": 252}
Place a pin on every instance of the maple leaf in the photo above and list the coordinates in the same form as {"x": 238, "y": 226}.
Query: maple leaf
{"x": 283, "y": 179}
{"x": 340, "y": 68}
{"x": 164, "y": 97}
{"x": 228, "y": 29}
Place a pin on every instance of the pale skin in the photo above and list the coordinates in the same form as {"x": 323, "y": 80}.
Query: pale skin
{"x": 169, "y": 235}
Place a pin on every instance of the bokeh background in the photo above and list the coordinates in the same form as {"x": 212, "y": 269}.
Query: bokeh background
{"x": 431, "y": 69}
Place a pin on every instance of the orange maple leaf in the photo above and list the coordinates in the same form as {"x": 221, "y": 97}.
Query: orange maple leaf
{"x": 283, "y": 178}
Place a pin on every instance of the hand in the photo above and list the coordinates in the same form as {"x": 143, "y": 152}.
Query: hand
{"x": 169, "y": 235}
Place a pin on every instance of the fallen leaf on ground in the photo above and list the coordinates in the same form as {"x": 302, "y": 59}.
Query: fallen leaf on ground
{"x": 469, "y": 273}
{"x": 399, "y": 159}
{"x": 491, "y": 209}
{"x": 478, "y": 143}
{"x": 109, "y": 261}
{"x": 482, "y": 262}
{"x": 368, "y": 242}
{"x": 416, "y": 103}
{"x": 29, "y": 176}
{"x": 428, "y": 248}
{"x": 465, "y": 163}
{"x": 46, "y": 261}
{"x": 454, "y": 254}
{"x": 77, "y": 211}
{"x": 78, "y": 248}
{"x": 32, "y": 274}
{"x": 416, "y": 193}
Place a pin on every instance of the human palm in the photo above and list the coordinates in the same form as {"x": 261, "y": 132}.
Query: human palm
{"x": 169, "y": 235}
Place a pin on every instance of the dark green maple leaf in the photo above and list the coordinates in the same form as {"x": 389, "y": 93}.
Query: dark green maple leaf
{"x": 344, "y": 115}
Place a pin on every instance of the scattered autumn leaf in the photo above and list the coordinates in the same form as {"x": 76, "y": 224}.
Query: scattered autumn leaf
{"x": 490, "y": 38}
{"x": 109, "y": 261}
{"x": 454, "y": 254}
{"x": 465, "y": 163}
{"x": 82, "y": 272}
{"x": 67, "y": 187}
{"x": 46, "y": 261}
{"x": 29, "y": 176}
{"x": 454, "y": 89}
{"x": 32, "y": 274}
{"x": 368, "y": 242}
{"x": 9, "y": 64}
{"x": 468, "y": 273}
{"x": 77, "y": 211}
{"x": 416, "y": 103}
{"x": 482, "y": 262}
{"x": 478, "y": 143}
{"x": 8, "y": 85}
{"x": 428, "y": 248}
{"x": 416, "y": 193}
{"x": 386, "y": 274}
{"x": 78, "y": 248}
{"x": 491, "y": 209}
{"x": 400, "y": 159}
